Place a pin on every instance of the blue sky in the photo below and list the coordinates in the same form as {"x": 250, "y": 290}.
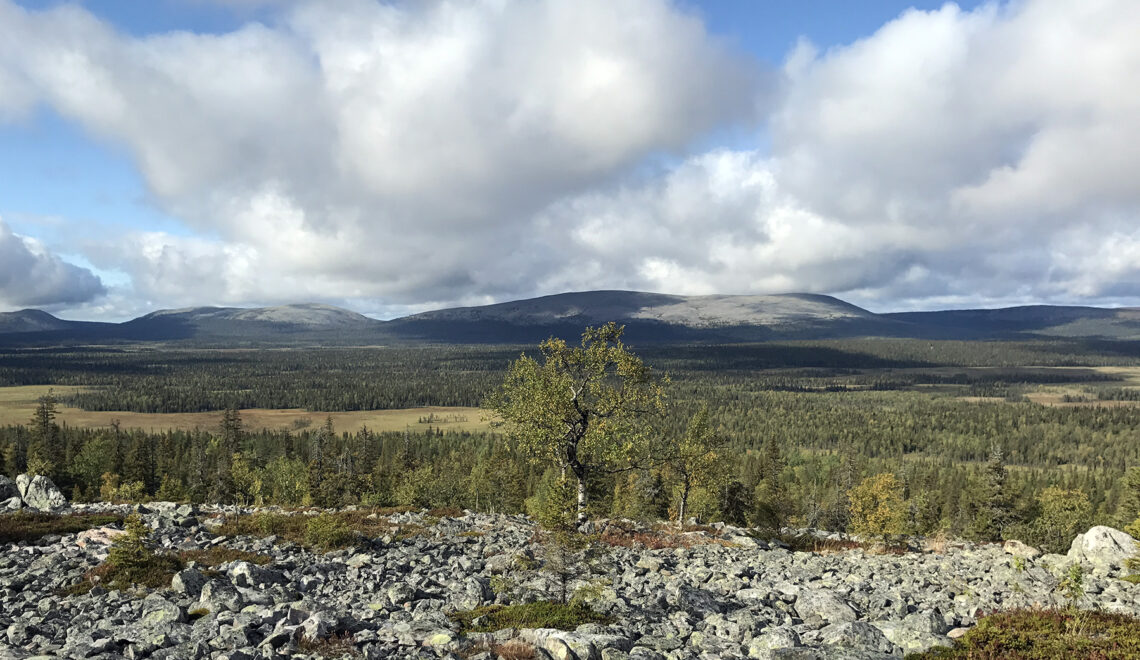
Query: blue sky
{"x": 705, "y": 166}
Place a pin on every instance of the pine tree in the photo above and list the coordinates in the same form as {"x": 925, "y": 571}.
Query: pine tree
{"x": 46, "y": 453}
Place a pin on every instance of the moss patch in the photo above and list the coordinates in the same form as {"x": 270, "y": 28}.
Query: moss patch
{"x": 542, "y": 614}
{"x": 1046, "y": 635}
{"x": 26, "y": 526}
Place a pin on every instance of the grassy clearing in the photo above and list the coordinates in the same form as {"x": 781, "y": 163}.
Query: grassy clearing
{"x": 25, "y": 527}
{"x": 1045, "y": 635}
{"x": 18, "y": 403}
{"x": 542, "y": 614}
{"x": 325, "y": 531}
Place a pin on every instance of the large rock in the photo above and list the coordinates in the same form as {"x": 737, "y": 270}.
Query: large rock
{"x": 40, "y": 493}
{"x": 1019, "y": 549}
{"x": 100, "y": 536}
{"x": 8, "y": 488}
{"x": 859, "y": 636}
{"x": 818, "y": 605}
{"x": 1103, "y": 547}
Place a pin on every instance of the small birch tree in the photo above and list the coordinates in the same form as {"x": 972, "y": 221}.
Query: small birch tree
{"x": 696, "y": 461}
{"x": 583, "y": 408}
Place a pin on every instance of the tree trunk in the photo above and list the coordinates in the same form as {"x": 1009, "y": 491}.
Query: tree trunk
{"x": 684, "y": 502}
{"x": 582, "y": 500}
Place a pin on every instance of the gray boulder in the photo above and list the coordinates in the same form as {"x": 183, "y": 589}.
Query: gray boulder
{"x": 188, "y": 581}
{"x": 1103, "y": 547}
{"x": 40, "y": 493}
{"x": 859, "y": 636}
{"x": 817, "y": 605}
{"x": 771, "y": 640}
{"x": 8, "y": 488}
{"x": 1019, "y": 549}
{"x": 11, "y": 504}
{"x": 245, "y": 574}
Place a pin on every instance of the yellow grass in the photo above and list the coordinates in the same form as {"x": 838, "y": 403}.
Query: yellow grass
{"x": 17, "y": 404}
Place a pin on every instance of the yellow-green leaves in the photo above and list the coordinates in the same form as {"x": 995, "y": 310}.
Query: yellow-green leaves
{"x": 584, "y": 408}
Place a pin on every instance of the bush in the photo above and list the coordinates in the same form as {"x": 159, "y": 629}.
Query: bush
{"x": 328, "y": 532}
{"x": 1046, "y": 635}
{"x": 877, "y": 507}
{"x": 131, "y": 562}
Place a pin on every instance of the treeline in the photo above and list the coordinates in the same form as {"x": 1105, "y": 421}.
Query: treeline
{"x": 771, "y": 478}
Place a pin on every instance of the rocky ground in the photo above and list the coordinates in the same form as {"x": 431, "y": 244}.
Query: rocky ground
{"x": 726, "y": 596}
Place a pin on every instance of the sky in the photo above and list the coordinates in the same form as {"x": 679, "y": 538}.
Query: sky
{"x": 392, "y": 157}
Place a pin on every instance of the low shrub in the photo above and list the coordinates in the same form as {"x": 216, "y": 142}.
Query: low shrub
{"x": 324, "y": 532}
{"x": 511, "y": 650}
{"x": 334, "y": 646}
{"x": 219, "y": 555}
{"x": 328, "y": 532}
{"x": 446, "y": 512}
{"x": 131, "y": 563}
{"x": 1061, "y": 634}
{"x": 541, "y": 614}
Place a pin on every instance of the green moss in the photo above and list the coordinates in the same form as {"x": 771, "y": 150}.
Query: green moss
{"x": 1134, "y": 578}
{"x": 542, "y": 614}
{"x": 26, "y": 526}
{"x": 1046, "y": 635}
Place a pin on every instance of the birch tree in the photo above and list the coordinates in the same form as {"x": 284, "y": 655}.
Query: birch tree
{"x": 584, "y": 408}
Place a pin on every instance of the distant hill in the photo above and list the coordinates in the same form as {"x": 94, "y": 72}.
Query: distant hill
{"x": 648, "y": 317}
{"x": 1045, "y": 320}
{"x": 30, "y": 320}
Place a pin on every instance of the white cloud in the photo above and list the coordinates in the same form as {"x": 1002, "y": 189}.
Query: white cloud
{"x": 373, "y": 150}
{"x": 951, "y": 158}
{"x": 448, "y": 152}
{"x": 30, "y": 275}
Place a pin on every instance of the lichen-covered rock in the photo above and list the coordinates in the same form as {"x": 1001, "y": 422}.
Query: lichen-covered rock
{"x": 823, "y": 606}
{"x": 859, "y": 636}
{"x": 8, "y": 488}
{"x": 38, "y": 492}
{"x": 1019, "y": 549}
{"x": 1103, "y": 547}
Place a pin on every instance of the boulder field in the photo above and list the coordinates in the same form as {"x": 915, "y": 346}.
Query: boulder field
{"x": 727, "y": 595}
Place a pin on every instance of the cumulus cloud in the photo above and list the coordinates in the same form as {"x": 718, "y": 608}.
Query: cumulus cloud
{"x": 375, "y": 150}
{"x": 30, "y": 276}
{"x": 950, "y": 158}
{"x": 444, "y": 152}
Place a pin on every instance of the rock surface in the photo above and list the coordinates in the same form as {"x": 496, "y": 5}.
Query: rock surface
{"x": 8, "y": 488}
{"x": 38, "y": 492}
{"x": 390, "y": 596}
{"x": 1104, "y": 548}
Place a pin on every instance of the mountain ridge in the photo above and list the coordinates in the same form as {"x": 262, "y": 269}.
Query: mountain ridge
{"x": 652, "y": 317}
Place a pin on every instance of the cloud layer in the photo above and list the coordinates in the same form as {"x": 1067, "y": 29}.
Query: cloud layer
{"x": 444, "y": 152}
{"x": 30, "y": 276}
